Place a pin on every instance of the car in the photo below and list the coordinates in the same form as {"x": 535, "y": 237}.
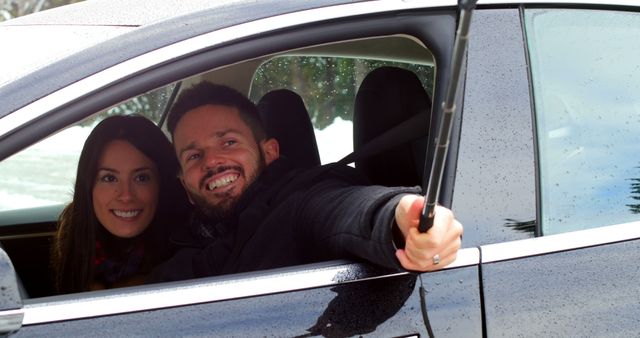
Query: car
{"x": 542, "y": 167}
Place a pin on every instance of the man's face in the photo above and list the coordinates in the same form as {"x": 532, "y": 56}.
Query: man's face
{"x": 219, "y": 156}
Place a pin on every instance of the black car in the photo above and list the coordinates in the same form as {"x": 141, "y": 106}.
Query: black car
{"x": 543, "y": 168}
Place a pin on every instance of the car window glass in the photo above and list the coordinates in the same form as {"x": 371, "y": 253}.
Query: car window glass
{"x": 328, "y": 87}
{"x": 586, "y": 84}
{"x": 44, "y": 173}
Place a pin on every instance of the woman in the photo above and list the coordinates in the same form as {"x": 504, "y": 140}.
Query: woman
{"x": 126, "y": 199}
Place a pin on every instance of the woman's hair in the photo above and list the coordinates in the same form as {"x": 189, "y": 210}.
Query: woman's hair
{"x": 74, "y": 248}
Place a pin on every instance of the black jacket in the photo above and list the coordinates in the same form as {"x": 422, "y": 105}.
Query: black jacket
{"x": 289, "y": 217}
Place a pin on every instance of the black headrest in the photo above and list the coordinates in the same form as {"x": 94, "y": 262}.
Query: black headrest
{"x": 285, "y": 118}
{"x": 387, "y": 97}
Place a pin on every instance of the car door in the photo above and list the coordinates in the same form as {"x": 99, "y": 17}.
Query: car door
{"x": 548, "y": 149}
{"x": 329, "y": 298}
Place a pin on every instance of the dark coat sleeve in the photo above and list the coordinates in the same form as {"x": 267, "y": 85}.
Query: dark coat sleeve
{"x": 346, "y": 220}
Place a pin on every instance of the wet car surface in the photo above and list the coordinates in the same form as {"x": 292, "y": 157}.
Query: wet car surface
{"x": 542, "y": 169}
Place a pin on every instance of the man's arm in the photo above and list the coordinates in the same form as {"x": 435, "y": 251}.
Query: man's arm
{"x": 428, "y": 251}
{"x": 341, "y": 220}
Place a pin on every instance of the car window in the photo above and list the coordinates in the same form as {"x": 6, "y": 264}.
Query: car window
{"x": 586, "y": 85}
{"x": 328, "y": 87}
{"x": 44, "y": 173}
{"x": 327, "y": 84}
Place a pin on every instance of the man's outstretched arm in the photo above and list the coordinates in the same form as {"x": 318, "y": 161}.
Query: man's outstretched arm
{"x": 433, "y": 249}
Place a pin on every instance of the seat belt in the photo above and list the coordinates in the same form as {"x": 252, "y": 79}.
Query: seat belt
{"x": 407, "y": 131}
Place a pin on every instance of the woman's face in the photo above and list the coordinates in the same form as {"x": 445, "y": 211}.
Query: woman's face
{"x": 126, "y": 189}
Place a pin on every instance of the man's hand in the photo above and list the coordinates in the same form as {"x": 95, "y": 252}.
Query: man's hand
{"x": 442, "y": 241}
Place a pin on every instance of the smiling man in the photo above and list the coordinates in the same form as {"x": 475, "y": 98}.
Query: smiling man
{"x": 215, "y": 138}
{"x": 254, "y": 211}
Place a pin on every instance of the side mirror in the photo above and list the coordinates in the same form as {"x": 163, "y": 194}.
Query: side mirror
{"x": 11, "y": 313}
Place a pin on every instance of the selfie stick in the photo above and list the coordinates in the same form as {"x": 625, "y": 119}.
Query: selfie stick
{"x": 448, "y": 108}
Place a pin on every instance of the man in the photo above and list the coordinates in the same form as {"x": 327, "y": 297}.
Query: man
{"x": 253, "y": 211}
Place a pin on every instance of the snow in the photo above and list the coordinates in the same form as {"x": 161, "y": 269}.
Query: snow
{"x": 44, "y": 174}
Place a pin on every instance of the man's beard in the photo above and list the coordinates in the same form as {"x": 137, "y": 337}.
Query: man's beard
{"x": 226, "y": 207}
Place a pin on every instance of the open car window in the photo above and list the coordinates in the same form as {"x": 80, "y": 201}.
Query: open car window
{"x": 327, "y": 82}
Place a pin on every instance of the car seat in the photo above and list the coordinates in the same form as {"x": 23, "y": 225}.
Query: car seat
{"x": 387, "y": 97}
{"x": 4, "y": 259}
{"x": 285, "y": 118}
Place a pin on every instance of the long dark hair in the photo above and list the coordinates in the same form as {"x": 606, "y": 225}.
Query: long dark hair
{"x": 74, "y": 248}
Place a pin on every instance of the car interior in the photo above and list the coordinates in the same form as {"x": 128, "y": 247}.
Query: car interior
{"x": 390, "y": 80}
{"x": 286, "y": 119}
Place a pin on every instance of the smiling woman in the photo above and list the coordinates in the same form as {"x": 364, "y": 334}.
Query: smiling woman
{"x": 115, "y": 230}
{"x": 125, "y": 193}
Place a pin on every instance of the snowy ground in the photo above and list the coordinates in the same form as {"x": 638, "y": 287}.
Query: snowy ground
{"x": 45, "y": 173}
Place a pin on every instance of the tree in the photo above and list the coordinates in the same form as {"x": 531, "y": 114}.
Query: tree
{"x": 635, "y": 195}
{"x": 328, "y": 85}
{"x": 10, "y": 9}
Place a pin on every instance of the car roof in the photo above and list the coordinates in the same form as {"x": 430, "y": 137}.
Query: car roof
{"x": 69, "y": 43}
{"x": 87, "y": 37}
{"x": 140, "y": 13}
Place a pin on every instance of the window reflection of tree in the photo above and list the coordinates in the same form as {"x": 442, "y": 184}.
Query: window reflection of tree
{"x": 10, "y": 9}
{"x": 635, "y": 195}
{"x": 521, "y": 226}
{"x": 150, "y": 105}
{"x": 381, "y": 299}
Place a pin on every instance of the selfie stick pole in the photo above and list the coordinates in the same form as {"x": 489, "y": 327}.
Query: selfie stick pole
{"x": 448, "y": 108}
